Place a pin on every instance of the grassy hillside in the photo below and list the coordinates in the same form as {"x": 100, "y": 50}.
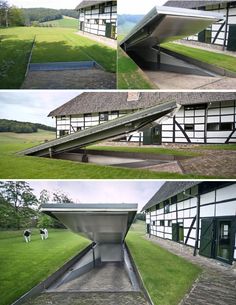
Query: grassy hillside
{"x": 22, "y": 127}
{"x": 24, "y": 265}
{"x": 65, "y": 22}
{"x": 52, "y": 45}
{"x": 14, "y": 166}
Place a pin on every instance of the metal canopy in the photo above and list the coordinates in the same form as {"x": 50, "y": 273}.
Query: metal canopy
{"x": 163, "y": 24}
{"x": 110, "y": 129}
{"x": 101, "y": 223}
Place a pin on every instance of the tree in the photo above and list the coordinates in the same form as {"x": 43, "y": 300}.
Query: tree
{"x": 16, "y": 16}
{"x": 4, "y": 7}
{"x": 60, "y": 197}
{"x": 21, "y": 198}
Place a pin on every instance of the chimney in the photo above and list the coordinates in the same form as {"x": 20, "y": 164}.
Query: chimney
{"x": 133, "y": 96}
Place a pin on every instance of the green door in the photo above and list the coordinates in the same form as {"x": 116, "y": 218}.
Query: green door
{"x": 108, "y": 30}
{"x": 201, "y": 36}
{"x": 232, "y": 38}
{"x": 207, "y": 237}
{"x": 156, "y": 135}
{"x": 205, "y": 36}
{"x": 175, "y": 231}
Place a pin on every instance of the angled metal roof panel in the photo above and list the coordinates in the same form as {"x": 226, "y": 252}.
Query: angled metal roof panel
{"x": 127, "y": 123}
{"x": 163, "y": 24}
{"x": 169, "y": 189}
{"x": 102, "y": 223}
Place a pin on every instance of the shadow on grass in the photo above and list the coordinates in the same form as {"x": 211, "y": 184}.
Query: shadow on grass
{"x": 61, "y": 51}
{"x": 15, "y": 55}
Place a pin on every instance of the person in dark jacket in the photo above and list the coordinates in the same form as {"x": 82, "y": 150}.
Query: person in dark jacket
{"x": 27, "y": 235}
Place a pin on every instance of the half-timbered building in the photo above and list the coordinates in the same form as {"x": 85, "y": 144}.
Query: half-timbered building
{"x": 222, "y": 33}
{"x": 98, "y": 17}
{"x": 201, "y": 215}
{"x": 208, "y": 117}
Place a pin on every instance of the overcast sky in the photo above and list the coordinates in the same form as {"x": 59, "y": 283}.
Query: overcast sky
{"x": 137, "y": 7}
{"x": 57, "y": 4}
{"x": 33, "y": 106}
{"x": 139, "y": 192}
{"x": 124, "y": 6}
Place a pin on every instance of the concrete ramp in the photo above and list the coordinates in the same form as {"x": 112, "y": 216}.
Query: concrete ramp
{"x": 110, "y": 129}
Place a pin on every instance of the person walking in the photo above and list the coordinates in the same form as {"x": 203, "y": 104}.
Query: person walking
{"x": 42, "y": 234}
{"x": 27, "y": 234}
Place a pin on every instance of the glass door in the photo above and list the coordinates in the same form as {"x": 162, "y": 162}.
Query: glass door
{"x": 224, "y": 240}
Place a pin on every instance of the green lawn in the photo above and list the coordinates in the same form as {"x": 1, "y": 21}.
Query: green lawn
{"x": 65, "y": 22}
{"x": 52, "y": 45}
{"x": 129, "y": 74}
{"x": 217, "y": 147}
{"x": 14, "y": 166}
{"x": 24, "y": 265}
{"x": 220, "y": 60}
{"x": 148, "y": 150}
{"x": 167, "y": 277}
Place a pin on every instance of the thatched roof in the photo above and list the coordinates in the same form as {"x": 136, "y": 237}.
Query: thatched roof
{"x": 94, "y": 102}
{"x": 192, "y": 3}
{"x": 167, "y": 190}
{"x": 86, "y": 3}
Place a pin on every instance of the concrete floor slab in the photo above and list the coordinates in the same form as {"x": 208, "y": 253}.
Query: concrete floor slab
{"x": 89, "y": 298}
{"x": 70, "y": 79}
{"x": 106, "y": 277}
{"x": 171, "y": 80}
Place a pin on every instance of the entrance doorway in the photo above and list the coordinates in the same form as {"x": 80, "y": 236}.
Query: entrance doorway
{"x": 152, "y": 136}
{"x": 232, "y": 38}
{"x": 178, "y": 232}
{"x": 217, "y": 238}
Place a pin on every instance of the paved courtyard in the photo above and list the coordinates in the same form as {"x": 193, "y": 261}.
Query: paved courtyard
{"x": 70, "y": 79}
{"x": 172, "y": 80}
{"x": 217, "y": 283}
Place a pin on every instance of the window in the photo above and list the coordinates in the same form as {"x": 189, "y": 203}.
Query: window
{"x": 174, "y": 199}
{"x": 167, "y": 206}
{"x": 169, "y": 223}
{"x": 96, "y": 21}
{"x": 226, "y": 126}
{"x": 87, "y": 115}
{"x": 63, "y": 117}
{"x": 162, "y": 223}
{"x": 188, "y": 127}
{"x": 115, "y": 113}
{"x": 101, "y": 8}
{"x": 219, "y": 126}
{"x": 153, "y": 223}
{"x": 103, "y": 116}
{"x": 78, "y": 128}
{"x": 195, "y": 107}
{"x": 213, "y": 126}
{"x": 63, "y": 132}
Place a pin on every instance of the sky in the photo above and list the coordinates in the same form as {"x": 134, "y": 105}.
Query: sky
{"x": 33, "y": 106}
{"x": 139, "y": 192}
{"x": 137, "y": 7}
{"x": 124, "y": 6}
{"x": 57, "y": 4}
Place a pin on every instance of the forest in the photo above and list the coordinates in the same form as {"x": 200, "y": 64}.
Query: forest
{"x": 20, "y": 207}
{"x": 22, "y": 127}
{"x": 12, "y": 16}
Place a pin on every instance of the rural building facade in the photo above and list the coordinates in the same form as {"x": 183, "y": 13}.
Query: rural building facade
{"x": 222, "y": 33}
{"x": 201, "y": 117}
{"x": 98, "y": 17}
{"x": 201, "y": 215}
